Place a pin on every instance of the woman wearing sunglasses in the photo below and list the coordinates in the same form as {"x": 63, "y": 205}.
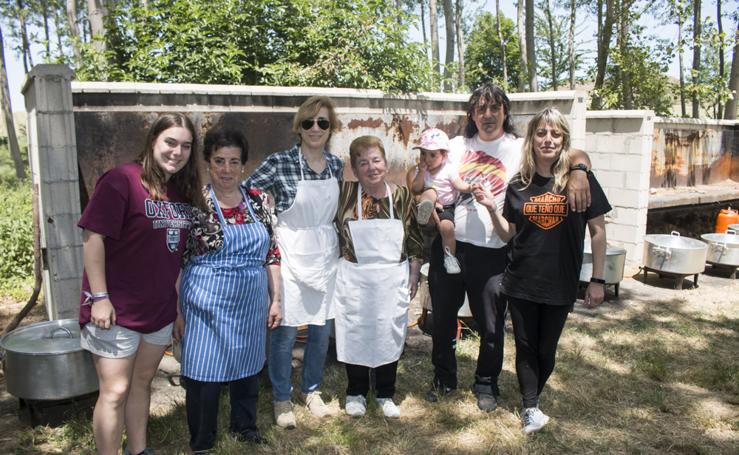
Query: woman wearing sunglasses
{"x": 304, "y": 183}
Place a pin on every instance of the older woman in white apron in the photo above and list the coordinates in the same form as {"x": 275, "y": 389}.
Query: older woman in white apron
{"x": 381, "y": 249}
{"x": 228, "y": 297}
{"x": 304, "y": 183}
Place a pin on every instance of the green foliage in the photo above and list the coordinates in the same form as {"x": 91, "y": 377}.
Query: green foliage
{"x": 483, "y": 57}
{"x": 645, "y": 61}
{"x": 345, "y": 43}
{"x": 16, "y": 235}
{"x": 711, "y": 87}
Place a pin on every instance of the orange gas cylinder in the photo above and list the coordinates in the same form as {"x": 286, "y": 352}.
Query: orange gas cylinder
{"x": 725, "y": 218}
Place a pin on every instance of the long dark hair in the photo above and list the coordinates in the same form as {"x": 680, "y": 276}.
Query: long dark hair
{"x": 187, "y": 179}
{"x": 484, "y": 94}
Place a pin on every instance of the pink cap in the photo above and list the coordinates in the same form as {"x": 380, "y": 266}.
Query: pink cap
{"x": 433, "y": 139}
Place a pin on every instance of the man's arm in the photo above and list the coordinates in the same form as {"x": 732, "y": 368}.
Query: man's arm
{"x": 578, "y": 188}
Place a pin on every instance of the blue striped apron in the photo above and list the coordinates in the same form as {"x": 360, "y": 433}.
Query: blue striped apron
{"x": 225, "y": 303}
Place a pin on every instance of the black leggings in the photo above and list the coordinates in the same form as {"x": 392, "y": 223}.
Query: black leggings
{"x": 536, "y": 328}
{"x": 201, "y": 402}
{"x": 358, "y": 378}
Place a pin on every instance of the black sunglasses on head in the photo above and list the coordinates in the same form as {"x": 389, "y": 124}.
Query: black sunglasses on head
{"x": 308, "y": 123}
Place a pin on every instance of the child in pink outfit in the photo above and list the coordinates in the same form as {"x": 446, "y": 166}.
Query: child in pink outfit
{"x": 438, "y": 185}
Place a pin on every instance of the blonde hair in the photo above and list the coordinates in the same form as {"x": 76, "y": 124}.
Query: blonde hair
{"x": 310, "y": 108}
{"x": 560, "y": 168}
{"x": 364, "y": 143}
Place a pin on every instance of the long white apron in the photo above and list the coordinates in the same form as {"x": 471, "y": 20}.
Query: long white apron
{"x": 371, "y": 298}
{"x": 310, "y": 250}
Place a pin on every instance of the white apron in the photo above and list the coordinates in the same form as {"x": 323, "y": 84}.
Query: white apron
{"x": 372, "y": 298}
{"x": 310, "y": 250}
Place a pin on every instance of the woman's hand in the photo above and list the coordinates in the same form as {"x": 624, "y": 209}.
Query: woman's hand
{"x": 178, "y": 330}
{"x": 485, "y": 197}
{"x": 103, "y": 314}
{"x": 594, "y": 295}
{"x": 275, "y": 315}
{"x": 413, "y": 277}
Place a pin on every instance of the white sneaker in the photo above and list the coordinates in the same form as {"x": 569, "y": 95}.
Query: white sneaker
{"x": 450, "y": 263}
{"x": 356, "y": 405}
{"x": 284, "y": 416}
{"x": 315, "y": 404}
{"x": 389, "y": 408}
{"x": 425, "y": 209}
{"x": 533, "y": 420}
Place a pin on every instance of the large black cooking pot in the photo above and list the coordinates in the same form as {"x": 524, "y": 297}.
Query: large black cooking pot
{"x": 44, "y": 361}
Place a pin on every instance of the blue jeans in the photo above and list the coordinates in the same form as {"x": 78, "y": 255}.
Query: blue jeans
{"x": 281, "y": 342}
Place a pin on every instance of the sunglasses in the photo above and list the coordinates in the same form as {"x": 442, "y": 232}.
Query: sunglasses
{"x": 308, "y": 123}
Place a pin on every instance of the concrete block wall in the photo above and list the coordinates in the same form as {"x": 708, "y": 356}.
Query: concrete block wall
{"x": 53, "y": 158}
{"x": 619, "y": 144}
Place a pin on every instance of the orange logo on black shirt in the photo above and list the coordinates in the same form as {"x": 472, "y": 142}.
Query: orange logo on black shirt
{"x": 546, "y": 210}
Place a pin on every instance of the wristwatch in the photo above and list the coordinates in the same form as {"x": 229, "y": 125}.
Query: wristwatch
{"x": 598, "y": 280}
{"x": 579, "y": 167}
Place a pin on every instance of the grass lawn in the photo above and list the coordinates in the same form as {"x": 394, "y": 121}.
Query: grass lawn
{"x": 645, "y": 375}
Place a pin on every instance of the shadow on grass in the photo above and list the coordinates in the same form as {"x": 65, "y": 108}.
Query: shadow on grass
{"x": 654, "y": 378}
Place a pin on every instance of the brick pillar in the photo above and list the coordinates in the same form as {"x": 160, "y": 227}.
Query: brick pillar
{"x": 52, "y": 152}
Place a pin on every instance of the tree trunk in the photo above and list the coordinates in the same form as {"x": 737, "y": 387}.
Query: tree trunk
{"x": 436, "y": 60}
{"x": 623, "y": 44}
{"x": 730, "y": 111}
{"x": 552, "y": 44}
{"x": 531, "y": 46}
{"x": 73, "y": 30}
{"x": 423, "y": 25}
{"x": 449, "y": 54}
{"x": 571, "y": 44}
{"x": 460, "y": 42}
{"x": 604, "y": 46}
{"x": 696, "y": 54}
{"x": 45, "y": 13}
{"x": 15, "y": 151}
{"x": 502, "y": 43}
{"x": 26, "y": 48}
{"x": 719, "y": 106}
{"x": 683, "y": 110}
{"x": 523, "y": 80}
{"x": 96, "y": 12}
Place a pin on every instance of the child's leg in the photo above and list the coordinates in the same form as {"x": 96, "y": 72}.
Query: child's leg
{"x": 426, "y": 206}
{"x": 446, "y": 229}
{"x": 429, "y": 194}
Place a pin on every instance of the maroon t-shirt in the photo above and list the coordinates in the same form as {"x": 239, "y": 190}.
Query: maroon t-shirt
{"x": 144, "y": 242}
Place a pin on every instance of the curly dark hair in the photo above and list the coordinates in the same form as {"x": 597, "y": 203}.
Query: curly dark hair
{"x": 484, "y": 94}
{"x": 219, "y": 137}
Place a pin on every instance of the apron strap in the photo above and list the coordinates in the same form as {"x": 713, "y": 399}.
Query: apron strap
{"x": 218, "y": 206}
{"x": 300, "y": 159}
{"x": 389, "y": 201}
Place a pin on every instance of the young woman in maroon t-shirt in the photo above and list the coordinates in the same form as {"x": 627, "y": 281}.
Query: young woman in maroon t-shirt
{"x": 135, "y": 230}
{"x": 540, "y": 281}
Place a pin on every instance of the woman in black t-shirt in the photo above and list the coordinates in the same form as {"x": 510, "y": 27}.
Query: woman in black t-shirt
{"x": 546, "y": 253}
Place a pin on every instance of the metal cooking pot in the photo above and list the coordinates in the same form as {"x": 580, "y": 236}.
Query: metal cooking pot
{"x": 674, "y": 254}
{"x": 44, "y": 361}
{"x": 723, "y": 249}
{"x": 613, "y": 268}
{"x": 734, "y": 227}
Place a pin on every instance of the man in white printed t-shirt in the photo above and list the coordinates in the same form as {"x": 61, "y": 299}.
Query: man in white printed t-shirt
{"x": 488, "y": 154}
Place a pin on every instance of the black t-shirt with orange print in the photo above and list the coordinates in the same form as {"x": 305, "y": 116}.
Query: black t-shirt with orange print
{"x": 547, "y": 250}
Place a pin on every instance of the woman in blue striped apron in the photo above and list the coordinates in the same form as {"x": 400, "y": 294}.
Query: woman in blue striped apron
{"x": 228, "y": 296}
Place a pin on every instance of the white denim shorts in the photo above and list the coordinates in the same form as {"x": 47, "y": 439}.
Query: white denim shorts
{"x": 119, "y": 342}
